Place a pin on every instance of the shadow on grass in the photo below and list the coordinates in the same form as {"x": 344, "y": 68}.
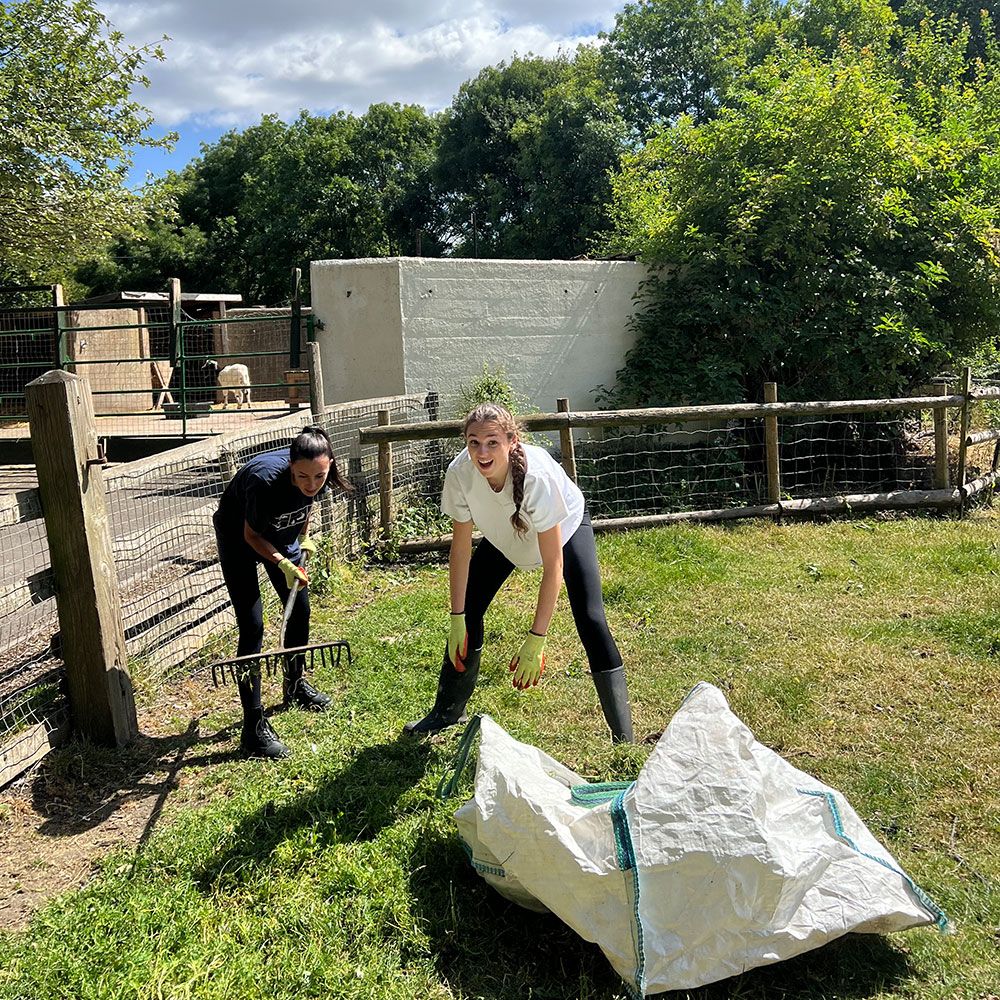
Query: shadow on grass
{"x": 79, "y": 786}
{"x": 353, "y": 805}
{"x": 487, "y": 947}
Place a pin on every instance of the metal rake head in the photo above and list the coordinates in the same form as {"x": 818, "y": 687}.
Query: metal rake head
{"x": 324, "y": 654}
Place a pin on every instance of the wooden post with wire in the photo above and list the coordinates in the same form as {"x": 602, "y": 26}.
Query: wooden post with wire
{"x": 58, "y": 325}
{"x": 70, "y": 467}
{"x": 384, "y": 481}
{"x": 566, "y": 441}
{"x": 772, "y": 458}
{"x": 317, "y": 399}
{"x": 964, "y": 430}
{"x": 941, "y": 476}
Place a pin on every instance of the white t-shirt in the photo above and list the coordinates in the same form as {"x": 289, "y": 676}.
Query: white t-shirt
{"x": 550, "y": 498}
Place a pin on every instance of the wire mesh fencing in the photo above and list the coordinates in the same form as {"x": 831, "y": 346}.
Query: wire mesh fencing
{"x": 160, "y": 512}
{"x": 33, "y": 705}
{"x": 153, "y": 373}
{"x": 707, "y": 462}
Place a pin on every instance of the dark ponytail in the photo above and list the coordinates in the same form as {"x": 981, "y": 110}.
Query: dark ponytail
{"x": 313, "y": 442}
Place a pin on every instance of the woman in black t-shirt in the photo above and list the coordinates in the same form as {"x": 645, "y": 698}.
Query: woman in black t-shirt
{"x": 263, "y": 517}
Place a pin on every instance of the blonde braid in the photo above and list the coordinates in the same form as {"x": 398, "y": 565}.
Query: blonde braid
{"x": 518, "y": 467}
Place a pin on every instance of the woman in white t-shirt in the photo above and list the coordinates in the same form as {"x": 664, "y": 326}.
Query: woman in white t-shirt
{"x": 530, "y": 514}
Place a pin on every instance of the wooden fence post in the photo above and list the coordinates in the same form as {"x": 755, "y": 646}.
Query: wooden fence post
{"x": 771, "y": 446}
{"x": 941, "y": 476}
{"x": 566, "y": 441}
{"x": 227, "y": 466}
{"x": 316, "y": 396}
{"x": 384, "y": 480}
{"x": 58, "y": 326}
{"x": 963, "y": 440}
{"x": 71, "y": 480}
{"x": 295, "y": 330}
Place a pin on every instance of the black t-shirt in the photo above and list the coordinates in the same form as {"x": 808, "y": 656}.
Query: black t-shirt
{"x": 263, "y": 495}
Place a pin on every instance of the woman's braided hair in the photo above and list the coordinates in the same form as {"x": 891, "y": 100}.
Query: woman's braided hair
{"x": 497, "y": 414}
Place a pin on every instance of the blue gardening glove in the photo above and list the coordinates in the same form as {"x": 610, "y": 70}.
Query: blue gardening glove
{"x": 293, "y": 573}
{"x": 307, "y": 544}
{"x": 458, "y": 642}
{"x": 529, "y": 663}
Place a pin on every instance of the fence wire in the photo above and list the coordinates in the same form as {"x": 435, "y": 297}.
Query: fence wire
{"x": 27, "y": 349}
{"x": 642, "y": 470}
{"x": 32, "y": 699}
{"x": 160, "y": 511}
{"x": 857, "y": 453}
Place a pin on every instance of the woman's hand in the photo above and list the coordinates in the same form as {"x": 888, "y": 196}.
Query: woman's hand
{"x": 529, "y": 663}
{"x": 293, "y": 573}
{"x": 458, "y": 641}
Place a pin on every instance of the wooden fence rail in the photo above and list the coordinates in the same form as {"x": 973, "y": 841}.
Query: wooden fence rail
{"x": 944, "y": 495}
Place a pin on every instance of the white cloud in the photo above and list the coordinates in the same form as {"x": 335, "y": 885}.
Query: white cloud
{"x": 231, "y": 61}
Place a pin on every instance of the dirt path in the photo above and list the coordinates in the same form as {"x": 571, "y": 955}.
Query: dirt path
{"x": 62, "y": 819}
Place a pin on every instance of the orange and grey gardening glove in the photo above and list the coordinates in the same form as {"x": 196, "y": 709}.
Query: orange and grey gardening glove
{"x": 458, "y": 641}
{"x": 529, "y": 663}
{"x": 293, "y": 573}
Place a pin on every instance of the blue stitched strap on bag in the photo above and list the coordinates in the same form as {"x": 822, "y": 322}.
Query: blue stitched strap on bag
{"x": 598, "y": 793}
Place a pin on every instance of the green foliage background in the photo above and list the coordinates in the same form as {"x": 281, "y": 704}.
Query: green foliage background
{"x": 815, "y": 184}
{"x": 834, "y": 228}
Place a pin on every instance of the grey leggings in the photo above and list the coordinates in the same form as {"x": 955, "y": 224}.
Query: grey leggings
{"x": 489, "y": 569}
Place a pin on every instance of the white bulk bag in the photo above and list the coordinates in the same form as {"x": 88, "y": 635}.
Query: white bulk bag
{"x": 720, "y": 857}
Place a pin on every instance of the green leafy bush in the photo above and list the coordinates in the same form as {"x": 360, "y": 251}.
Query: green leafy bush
{"x": 834, "y": 230}
{"x": 491, "y": 386}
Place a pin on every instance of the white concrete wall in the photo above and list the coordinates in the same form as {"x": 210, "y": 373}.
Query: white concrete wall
{"x": 558, "y": 328}
{"x": 361, "y": 344}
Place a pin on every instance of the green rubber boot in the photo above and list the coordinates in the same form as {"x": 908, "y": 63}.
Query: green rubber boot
{"x": 454, "y": 690}
{"x": 613, "y": 693}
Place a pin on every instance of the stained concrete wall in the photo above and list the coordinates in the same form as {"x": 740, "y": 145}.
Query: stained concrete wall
{"x": 408, "y": 324}
{"x": 129, "y": 381}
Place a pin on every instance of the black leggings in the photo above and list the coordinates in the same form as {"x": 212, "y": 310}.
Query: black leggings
{"x": 239, "y": 570}
{"x": 489, "y": 569}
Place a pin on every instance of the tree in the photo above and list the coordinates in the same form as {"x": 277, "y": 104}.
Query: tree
{"x": 834, "y": 230}
{"x": 478, "y": 176}
{"x": 667, "y": 58}
{"x": 983, "y": 39}
{"x": 68, "y": 128}
{"x": 274, "y": 196}
{"x": 567, "y": 150}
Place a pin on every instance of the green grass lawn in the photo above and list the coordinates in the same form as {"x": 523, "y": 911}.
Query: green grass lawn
{"x": 863, "y": 651}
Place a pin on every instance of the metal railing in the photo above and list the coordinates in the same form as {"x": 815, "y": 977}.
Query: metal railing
{"x": 147, "y": 374}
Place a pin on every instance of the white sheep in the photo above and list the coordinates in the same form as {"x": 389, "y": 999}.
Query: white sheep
{"x": 233, "y": 379}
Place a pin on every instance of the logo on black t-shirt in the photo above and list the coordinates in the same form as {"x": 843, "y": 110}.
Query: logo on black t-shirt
{"x": 289, "y": 519}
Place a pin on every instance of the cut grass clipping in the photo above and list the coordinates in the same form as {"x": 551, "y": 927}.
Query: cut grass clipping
{"x": 863, "y": 651}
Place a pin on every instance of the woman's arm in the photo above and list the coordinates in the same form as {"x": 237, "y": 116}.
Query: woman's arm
{"x": 550, "y": 547}
{"x": 261, "y": 545}
{"x": 458, "y": 563}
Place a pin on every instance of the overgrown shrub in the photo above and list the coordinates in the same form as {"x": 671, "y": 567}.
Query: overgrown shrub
{"x": 834, "y": 230}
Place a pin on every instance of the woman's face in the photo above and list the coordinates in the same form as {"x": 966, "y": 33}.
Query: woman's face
{"x": 489, "y": 447}
{"x": 309, "y": 474}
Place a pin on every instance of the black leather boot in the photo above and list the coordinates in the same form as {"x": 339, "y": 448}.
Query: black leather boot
{"x": 297, "y": 692}
{"x": 258, "y": 739}
{"x": 613, "y": 693}
{"x": 454, "y": 690}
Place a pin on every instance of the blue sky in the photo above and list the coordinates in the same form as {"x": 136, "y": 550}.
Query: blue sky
{"x": 228, "y": 62}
